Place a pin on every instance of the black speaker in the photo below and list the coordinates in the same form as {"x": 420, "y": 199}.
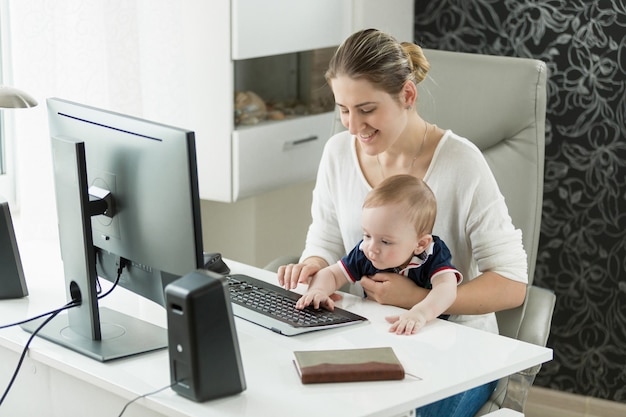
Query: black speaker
{"x": 205, "y": 362}
{"x": 12, "y": 282}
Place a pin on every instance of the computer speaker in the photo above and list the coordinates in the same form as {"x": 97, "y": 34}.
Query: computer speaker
{"x": 205, "y": 362}
{"x": 12, "y": 282}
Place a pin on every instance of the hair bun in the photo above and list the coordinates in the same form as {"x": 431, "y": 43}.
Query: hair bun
{"x": 417, "y": 60}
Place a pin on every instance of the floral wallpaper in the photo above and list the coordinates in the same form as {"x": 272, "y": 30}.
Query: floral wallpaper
{"x": 582, "y": 247}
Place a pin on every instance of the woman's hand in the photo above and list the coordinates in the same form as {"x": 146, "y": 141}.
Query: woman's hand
{"x": 289, "y": 276}
{"x": 393, "y": 289}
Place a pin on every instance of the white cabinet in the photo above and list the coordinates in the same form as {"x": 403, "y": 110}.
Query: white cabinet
{"x": 278, "y": 154}
{"x": 264, "y": 28}
{"x": 235, "y": 162}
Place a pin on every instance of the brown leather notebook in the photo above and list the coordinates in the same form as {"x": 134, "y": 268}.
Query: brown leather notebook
{"x": 348, "y": 365}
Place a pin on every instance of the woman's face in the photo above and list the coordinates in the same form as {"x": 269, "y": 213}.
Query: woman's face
{"x": 375, "y": 117}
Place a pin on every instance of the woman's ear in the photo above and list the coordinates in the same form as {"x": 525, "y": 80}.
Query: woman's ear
{"x": 409, "y": 94}
{"x": 423, "y": 243}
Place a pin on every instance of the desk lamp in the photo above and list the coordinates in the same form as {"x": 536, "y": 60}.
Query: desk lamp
{"x": 12, "y": 282}
{"x": 12, "y": 98}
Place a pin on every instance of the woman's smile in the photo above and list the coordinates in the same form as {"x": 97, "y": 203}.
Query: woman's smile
{"x": 367, "y": 137}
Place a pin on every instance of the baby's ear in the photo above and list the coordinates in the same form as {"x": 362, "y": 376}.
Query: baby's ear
{"x": 422, "y": 243}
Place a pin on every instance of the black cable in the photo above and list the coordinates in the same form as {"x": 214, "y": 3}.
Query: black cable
{"x": 120, "y": 269}
{"x": 32, "y": 336}
{"x": 53, "y": 314}
{"x": 123, "y": 263}
{"x": 6, "y": 326}
{"x": 143, "y": 396}
{"x": 98, "y": 286}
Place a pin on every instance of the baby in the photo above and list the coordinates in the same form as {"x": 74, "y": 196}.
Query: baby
{"x": 397, "y": 221}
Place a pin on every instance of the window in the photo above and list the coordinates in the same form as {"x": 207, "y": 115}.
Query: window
{"x": 2, "y": 157}
{"x": 6, "y": 177}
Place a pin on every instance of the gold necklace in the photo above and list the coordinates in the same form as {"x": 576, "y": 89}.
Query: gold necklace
{"x": 382, "y": 172}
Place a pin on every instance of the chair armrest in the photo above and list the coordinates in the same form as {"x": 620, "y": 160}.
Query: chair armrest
{"x": 535, "y": 326}
{"x": 517, "y": 389}
{"x": 282, "y": 260}
{"x": 512, "y": 391}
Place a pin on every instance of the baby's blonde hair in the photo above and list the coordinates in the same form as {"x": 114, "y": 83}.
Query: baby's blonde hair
{"x": 413, "y": 193}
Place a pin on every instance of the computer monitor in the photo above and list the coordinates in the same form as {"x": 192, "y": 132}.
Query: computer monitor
{"x": 126, "y": 192}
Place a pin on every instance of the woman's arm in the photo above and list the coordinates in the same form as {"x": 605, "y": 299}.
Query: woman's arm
{"x": 486, "y": 293}
{"x": 489, "y": 292}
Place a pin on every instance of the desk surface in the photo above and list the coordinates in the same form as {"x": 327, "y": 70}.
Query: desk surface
{"x": 448, "y": 358}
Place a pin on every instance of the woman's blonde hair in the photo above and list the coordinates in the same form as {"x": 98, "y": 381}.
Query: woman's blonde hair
{"x": 380, "y": 59}
{"x": 413, "y": 193}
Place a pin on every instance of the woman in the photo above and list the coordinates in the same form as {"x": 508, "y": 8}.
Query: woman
{"x": 374, "y": 81}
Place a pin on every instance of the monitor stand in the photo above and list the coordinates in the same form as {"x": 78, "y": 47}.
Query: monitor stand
{"x": 99, "y": 333}
{"x": 122, "y": 335}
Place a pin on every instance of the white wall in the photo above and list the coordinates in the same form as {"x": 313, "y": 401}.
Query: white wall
{"x": 259, "y": 229}
{"x": 97, "y": 52}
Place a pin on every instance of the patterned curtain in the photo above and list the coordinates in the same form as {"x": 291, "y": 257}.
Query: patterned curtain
{"x": 582, "y": 248}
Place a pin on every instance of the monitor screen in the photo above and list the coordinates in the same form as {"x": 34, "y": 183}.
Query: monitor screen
{"x": 127, "y": 194}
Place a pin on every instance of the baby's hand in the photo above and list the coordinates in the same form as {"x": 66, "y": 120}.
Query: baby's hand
{"x": 316, "y": 299}
{"x": 407, "y": 323}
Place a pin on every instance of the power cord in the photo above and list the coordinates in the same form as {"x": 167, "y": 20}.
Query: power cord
{"x": 52, "y": 314}
{"x": 6, "y": 326}
{"x": 143, "y": 396}
{"x": 123, "y": 263}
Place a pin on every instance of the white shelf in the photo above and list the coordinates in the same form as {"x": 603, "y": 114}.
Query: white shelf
{"x": 235, "y": 162}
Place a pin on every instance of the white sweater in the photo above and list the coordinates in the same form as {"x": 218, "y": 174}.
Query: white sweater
{"x": 472, "y": 217}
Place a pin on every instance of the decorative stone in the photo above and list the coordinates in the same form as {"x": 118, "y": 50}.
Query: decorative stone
{"x": 250, "y": 109}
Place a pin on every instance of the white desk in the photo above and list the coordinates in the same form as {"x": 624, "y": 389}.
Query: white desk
{"x": 54, "y": 381}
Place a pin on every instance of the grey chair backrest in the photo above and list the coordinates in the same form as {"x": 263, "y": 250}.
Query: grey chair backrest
{"x": 498, "y": 103}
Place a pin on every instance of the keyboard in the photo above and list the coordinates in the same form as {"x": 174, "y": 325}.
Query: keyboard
{"x": 274, "y": 307}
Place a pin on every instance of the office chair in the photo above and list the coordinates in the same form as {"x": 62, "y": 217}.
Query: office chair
{"x": 499, "y": 103}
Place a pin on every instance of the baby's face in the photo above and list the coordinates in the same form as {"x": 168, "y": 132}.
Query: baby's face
{"x": 389, "y": 238}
